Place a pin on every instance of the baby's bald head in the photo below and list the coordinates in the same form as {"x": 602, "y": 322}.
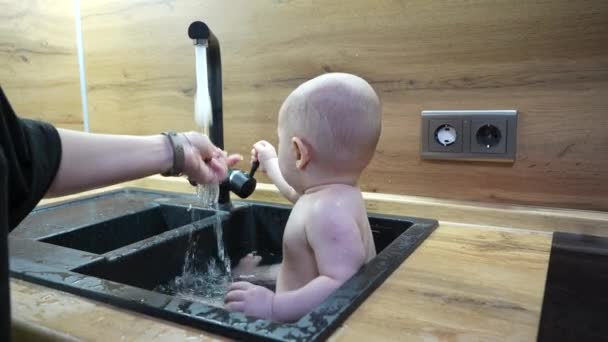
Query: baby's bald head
{"x": 339, "y": 116}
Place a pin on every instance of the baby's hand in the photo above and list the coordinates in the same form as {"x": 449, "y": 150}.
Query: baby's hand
{"x": 263, "y": 151}
{"x": 252, "y": 300}
{"x": 246, "y": 267}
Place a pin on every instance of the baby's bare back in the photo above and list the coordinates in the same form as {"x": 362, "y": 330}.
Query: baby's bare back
{"x": 300, "y": 260}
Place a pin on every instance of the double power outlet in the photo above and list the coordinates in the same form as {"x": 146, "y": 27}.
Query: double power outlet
{"x": 476, "y": 135}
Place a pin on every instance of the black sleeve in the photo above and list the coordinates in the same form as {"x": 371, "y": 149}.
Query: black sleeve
{"x": 32, "y": 152}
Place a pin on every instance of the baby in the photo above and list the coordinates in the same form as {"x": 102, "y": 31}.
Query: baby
{"x": 328, "y": 130}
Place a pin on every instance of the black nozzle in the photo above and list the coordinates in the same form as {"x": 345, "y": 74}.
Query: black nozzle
{"x": 198, "y": 30}
{"x": 241, "y": 183}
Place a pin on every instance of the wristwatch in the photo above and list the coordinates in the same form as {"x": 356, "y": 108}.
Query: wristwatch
{"x": 178, "y": 141}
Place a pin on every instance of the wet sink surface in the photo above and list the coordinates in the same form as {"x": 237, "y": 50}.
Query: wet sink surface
{"x": 121, "y": 247}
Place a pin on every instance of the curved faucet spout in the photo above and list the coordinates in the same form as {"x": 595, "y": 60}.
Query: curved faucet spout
{"x": 201, "y": 34}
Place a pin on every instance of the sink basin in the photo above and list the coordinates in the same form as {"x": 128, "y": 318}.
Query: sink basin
{"x": 125, "y": 247}
{"x": 109, "y": 235}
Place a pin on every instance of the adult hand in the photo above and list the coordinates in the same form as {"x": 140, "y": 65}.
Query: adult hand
{"x": 204, "y": 162}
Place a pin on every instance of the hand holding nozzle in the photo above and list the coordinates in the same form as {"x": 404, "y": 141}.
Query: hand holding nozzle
{"x": 195, "y": 156}
{"x": 241, "y": 183}
{"x": 204, "y": 162}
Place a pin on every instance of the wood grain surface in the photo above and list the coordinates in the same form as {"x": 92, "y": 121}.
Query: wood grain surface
{"x": 43, "y": 313}
{"x": 38, "y": 60}
{"x": 462, "y": 284}
{"x": 548, "y": 59}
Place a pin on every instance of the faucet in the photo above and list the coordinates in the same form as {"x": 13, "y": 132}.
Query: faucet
{"x": 241, "y": 183}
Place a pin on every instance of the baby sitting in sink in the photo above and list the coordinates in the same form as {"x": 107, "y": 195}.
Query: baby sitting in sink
{"x": 328, "y": 130}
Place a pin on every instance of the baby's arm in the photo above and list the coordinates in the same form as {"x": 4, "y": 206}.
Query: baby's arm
{"x": 336, "y": 241}
{"x": 339, "y": 253}
{"x": 266, "y": 154}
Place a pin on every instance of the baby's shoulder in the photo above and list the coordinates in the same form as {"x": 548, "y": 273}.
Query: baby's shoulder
{"x": 329, "y": 213}
{"x": 349, "y": 201}
{"x": 329, "y": 203}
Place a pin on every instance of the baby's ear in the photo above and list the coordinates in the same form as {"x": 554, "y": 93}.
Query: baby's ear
{"x": 302, "y": 152}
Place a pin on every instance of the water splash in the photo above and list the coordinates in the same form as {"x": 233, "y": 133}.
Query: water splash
{"x": 198, "y": 283}
{"x": 208, "y": 195}
{"x": 208, "y": 287}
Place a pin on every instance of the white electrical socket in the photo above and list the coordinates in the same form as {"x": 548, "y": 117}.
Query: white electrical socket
{"x": 446, "y": 135}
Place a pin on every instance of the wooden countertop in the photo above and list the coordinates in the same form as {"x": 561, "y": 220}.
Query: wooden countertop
{"x": 481, "y": 281}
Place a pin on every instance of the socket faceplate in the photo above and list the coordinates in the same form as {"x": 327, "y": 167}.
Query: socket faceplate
{"x": 481, "y": 135}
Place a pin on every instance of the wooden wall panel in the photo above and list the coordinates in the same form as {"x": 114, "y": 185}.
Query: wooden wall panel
{"x": 548, "y": 59}
{"x": 38, "y": 60}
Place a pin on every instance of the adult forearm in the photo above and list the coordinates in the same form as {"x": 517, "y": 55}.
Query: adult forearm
{"x": 93, "y": 160}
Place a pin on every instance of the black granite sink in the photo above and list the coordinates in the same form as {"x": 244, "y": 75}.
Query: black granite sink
{"x": 120, "y": 247}
{"x": 114, "y": 233}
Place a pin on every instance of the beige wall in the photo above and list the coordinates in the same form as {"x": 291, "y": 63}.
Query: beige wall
{"x": 38, "y": 60}
{"x": 548, "y": 59}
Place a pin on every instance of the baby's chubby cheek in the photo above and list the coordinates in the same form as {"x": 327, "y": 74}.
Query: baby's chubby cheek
{"x": 287, "y": 171}
{"x": 282, "y": 164}
{"x": 283, "y": 160}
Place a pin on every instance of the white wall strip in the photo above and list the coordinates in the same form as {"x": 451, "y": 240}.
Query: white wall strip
{"x": 81, "y": 67}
